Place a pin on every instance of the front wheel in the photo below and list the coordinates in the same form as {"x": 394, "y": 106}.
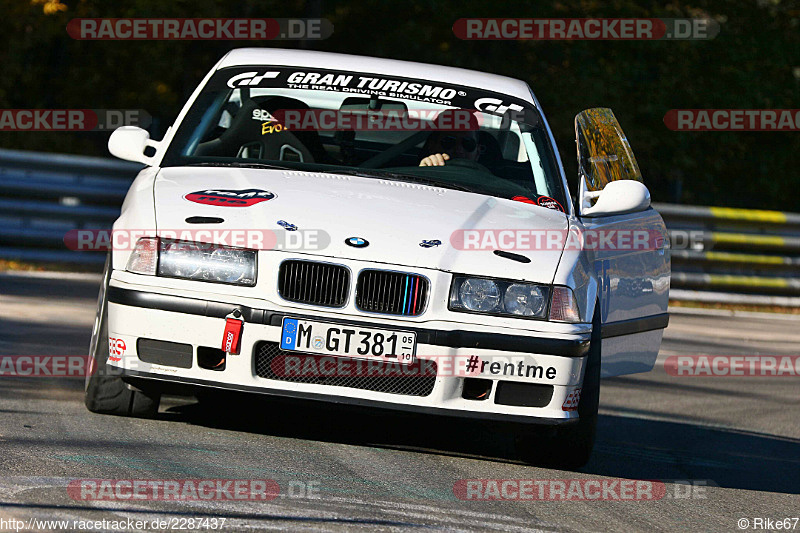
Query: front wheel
{"x": 570, "y": 446}
{"x": 105, "y": 391}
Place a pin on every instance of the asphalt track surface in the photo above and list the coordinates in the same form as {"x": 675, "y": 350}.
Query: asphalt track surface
{"x": 727, "y": 448}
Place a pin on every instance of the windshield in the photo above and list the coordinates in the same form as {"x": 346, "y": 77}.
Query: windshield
{"x": 371, "y": 125}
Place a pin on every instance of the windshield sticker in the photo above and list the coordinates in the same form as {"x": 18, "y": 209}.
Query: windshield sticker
{"x": 371, "y": 85}
{"x": 350, "y": 83}
{"x": 495, "y": 106}
{"x": 230, "y": 198}
{"x": 550, "y": 203}
{"x": 251, "y": 79}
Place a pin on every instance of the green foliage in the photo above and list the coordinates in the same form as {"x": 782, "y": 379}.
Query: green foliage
{"x": 749, "y": 65}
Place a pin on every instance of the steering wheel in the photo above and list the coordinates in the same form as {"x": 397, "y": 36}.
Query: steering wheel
{"x": 466, "y": 163}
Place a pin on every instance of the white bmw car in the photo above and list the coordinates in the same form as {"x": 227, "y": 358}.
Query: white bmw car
{"x": 381, "y": 233}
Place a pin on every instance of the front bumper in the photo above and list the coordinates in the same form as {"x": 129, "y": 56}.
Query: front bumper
{"x": 138, "y": 312}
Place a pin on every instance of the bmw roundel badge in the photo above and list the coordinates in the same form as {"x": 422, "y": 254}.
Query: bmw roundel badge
{"x": 357, "y": 242}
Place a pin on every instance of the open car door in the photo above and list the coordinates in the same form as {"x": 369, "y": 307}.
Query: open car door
{"x": 633, "y": 276}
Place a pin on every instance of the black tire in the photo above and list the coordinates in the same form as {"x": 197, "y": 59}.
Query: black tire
{"x": 106, "y": 393}
{"x": 569, "y": 447}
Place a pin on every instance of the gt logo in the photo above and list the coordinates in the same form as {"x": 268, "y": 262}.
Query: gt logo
{"x": 250, "y": 78}
{"x": 494, "y": 106}
{"x": 116, "y": 348}
{"x": 572, "y": 401}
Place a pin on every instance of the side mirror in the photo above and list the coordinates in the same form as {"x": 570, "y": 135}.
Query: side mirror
{"x": 129, "y": 143}
{"x": 617, "y": 198}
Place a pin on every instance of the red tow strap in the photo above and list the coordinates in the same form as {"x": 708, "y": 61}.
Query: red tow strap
{"x": 232, "y": 336}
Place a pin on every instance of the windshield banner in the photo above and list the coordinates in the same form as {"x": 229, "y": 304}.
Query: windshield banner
{"x": 374, "y": 86}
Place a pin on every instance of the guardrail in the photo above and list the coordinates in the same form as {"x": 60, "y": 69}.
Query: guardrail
{"x": 43, "y": 196}
{"x": 738, "y": 250}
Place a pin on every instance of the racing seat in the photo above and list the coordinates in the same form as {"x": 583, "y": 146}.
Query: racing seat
{"x": 491, "y": 156}
{"x": 246, "y": 138}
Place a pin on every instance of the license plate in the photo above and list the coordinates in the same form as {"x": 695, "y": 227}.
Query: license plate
{"x": 350, "y": 341}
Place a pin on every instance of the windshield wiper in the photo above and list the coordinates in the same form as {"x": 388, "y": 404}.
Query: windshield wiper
{"x": 394, "y": 176}
{"x": 238, "y": 164}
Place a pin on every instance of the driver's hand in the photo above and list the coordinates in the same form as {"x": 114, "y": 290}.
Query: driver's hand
{"x": 435, "y": 160}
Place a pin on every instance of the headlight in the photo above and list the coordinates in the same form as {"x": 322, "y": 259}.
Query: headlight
{"x": 479, "y": 294}
{"x": 194, "y": 260}
{"x": 524, "y": 299}
{"x": 207, "y": 262}
{"x": 499, "y": 297}
{"x": 233, "y": 266}
{"x": 181, "y": 260}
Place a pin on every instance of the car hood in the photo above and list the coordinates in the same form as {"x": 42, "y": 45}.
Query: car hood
{"x": 393, "y": 216}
